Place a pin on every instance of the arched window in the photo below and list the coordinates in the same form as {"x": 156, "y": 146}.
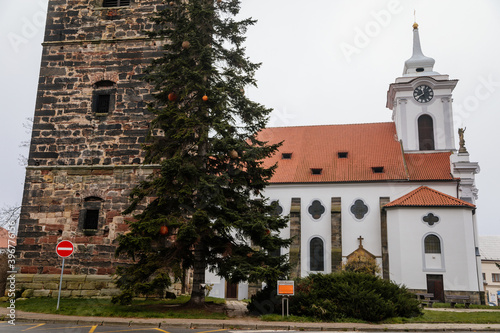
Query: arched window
{"x": 425, "y": 132}
{"x": 432, "y": 244}
{"x": 316, "y": 255}
{"x": 115, "y": 3}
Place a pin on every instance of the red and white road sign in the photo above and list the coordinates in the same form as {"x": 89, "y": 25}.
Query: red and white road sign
{"x": 65, "y": 249}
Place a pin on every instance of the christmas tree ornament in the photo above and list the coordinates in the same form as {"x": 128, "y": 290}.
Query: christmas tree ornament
{"x": 163, "y": 230}
{"x": 205, "y": 98}
{"x": 233, "y": 154}
{"x": 186, "y": 44}
{"x": 171, "y": 3}
{"x": 172, "y": 97}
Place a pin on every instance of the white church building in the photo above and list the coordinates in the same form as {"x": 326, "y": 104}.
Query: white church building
{"x": 399, "y": 191}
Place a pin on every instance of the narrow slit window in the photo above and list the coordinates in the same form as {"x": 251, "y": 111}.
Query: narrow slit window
{"x": 316, "y": 171}
{"x": 115, "y": 3}
{"x": 286, "y": 156}
{"x": 342, "y": 154}
{"x": 378, "y": 169}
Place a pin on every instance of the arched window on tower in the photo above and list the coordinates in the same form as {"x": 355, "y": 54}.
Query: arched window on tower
{"x": 316, "y": 255}
{"x": 425, "y": 132}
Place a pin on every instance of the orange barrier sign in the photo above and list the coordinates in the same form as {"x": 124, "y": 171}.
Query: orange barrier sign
{"x": 285, "y": 288}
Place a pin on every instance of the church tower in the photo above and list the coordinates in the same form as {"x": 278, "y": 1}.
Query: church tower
{"x": 89, "y": 124}
{"x": 421, "y": 102}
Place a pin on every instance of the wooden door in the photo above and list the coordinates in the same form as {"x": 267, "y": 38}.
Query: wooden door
{"x": 435, "y": 286}
{"x": 231, "y": 290}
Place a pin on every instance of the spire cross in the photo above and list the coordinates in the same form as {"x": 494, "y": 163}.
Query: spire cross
{"x": 360, "y": 241}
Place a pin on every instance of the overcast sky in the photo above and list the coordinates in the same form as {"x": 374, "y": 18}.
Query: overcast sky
{"x": 324, "y": 62}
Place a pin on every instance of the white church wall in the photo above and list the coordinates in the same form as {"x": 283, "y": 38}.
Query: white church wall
{"x": 367, "y": 227}
{"x": 409, "y": 264}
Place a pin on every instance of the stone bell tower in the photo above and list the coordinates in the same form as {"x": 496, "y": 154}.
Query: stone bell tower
{"x": 89, "y": 123}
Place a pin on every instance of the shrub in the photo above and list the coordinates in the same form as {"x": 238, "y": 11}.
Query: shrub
{"x": 265, "y": 301}
{"x": 352, "y": 295}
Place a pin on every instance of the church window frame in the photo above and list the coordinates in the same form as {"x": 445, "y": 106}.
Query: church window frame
{"x": 357, "y": 211}
{"x": 103, "y": 98}
{"x": 431, "y": 249}
{"x": 425, "y": 130}
{"x": 90, "y": 219}
{"x": 316, "y": 209}
{"x": 316, "y": 247}
{"x": 432, "y": 244}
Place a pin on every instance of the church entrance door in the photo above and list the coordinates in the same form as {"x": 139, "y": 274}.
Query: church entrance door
{"x": 231, "y": 290}
{"x": 435, "y": 286}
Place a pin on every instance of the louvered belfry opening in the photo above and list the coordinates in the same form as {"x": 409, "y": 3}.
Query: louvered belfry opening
{"x": 115, "y": 3}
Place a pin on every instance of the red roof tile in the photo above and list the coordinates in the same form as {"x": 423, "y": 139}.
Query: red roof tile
{"x": 431, "y": 166}
{"x": 425, "y": 196}
{"x": 367, "y": 146}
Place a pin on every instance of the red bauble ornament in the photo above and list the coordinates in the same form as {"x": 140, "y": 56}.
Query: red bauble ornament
{"x": 268, "y": 231}
{"x": 163, "y": 230}
{"x": 205, "y": 98}
{"x": 172, "y": 96}
{"x": 186, "y": 44}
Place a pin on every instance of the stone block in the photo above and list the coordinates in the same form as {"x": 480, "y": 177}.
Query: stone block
{"x": 24, "y": 277}
{"x": 46, "y": 277}
{"x": 27, "y": 293}
{"x": 89, "y": 293}
{"x": 51, "y": 285}
{"x": 95, "y": 278}
{"x": 74, "y": 286}
{"x": 88, "y": 286}
{"x": 76, "y": 293}
{"x": 41, "y": 293}
{"x": 110, "y": 292}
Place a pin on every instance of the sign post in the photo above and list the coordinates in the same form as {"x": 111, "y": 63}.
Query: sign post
{"x": 285, "y": 288}
{"x": 63, "y": 249}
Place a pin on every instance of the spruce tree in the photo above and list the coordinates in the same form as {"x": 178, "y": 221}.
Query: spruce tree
{"x": 207, "y": 190}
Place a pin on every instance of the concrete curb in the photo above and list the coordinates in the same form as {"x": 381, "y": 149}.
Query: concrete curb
{"x": 247, "y": 324}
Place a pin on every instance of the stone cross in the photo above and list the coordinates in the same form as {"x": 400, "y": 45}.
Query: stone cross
{"x": 360, "y": 241}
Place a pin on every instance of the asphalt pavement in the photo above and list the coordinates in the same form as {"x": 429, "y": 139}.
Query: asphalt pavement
{"x": 238, "y": 321}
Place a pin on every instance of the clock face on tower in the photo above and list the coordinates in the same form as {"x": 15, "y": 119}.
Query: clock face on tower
{"x": 423, "y": 93}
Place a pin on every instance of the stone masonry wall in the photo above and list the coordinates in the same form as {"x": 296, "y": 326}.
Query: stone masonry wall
{"x": 76, "y": 153}
{"x": 52, "y": 205}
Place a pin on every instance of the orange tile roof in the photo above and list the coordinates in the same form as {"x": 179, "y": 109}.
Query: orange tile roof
{"x": 425, "y": 196}
{"x": 431, "y": 166}
{"x": 367, "y": 145}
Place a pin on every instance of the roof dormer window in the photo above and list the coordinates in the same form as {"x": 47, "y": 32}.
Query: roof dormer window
{"x": 286, "y": 156}
{"x": 342, "y": 154}
{"x": 378, "y": 169}
{"x": 316, "y": 171}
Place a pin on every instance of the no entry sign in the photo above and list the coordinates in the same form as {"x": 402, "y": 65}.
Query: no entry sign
{"x": 65, "y": 249}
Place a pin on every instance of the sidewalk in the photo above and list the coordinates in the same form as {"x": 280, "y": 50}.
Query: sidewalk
{"x": 245, "y": 323}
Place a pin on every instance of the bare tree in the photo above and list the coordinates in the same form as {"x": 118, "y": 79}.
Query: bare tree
{"x": 9, "y": 217}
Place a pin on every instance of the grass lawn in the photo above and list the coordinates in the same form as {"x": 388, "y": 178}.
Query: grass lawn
{"x": 138, "y": 309}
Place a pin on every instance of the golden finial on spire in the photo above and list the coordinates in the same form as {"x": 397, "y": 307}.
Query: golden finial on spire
{"x": 415, "y": 25}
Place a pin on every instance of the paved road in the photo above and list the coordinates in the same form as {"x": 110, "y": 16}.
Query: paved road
{"x": 5, "y": 327}
{"x": 69, "y": 328}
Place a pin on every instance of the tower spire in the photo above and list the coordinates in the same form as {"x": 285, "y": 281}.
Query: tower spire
{"x": 418, "y": 64}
